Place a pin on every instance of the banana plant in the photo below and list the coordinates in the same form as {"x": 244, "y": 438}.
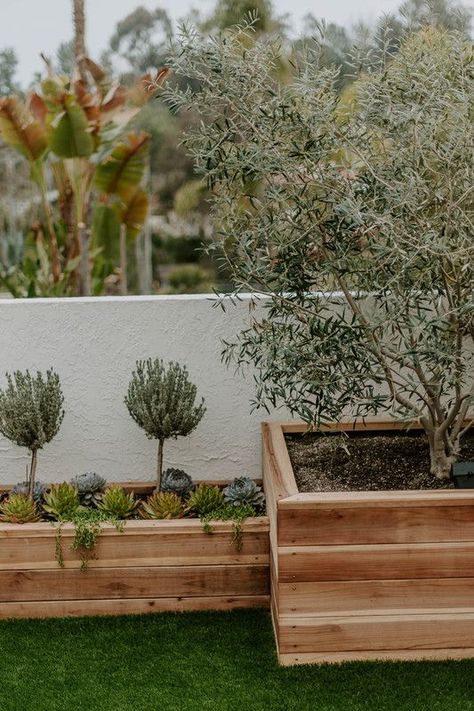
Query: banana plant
{"x": 123, "y": 202}
{"x": 74, "y": 131}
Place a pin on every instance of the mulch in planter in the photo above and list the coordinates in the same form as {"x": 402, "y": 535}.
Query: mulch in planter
{"x": 366, "y": 462}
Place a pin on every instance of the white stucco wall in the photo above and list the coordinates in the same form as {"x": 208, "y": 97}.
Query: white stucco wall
{"x": 93, "y": 345}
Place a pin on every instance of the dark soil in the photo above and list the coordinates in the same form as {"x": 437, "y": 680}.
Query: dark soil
{"x": 366, "y": 462}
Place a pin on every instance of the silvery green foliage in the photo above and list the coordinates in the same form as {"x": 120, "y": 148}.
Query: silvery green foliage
{"x": 90, "y": 487}
{"x": 321, "y": 200}
{"x": 39, "y": 490}
{"x": 244, "y": 491}
{"x": 176, "y": 480}
{"x": 161, "y": 399}
{"x": 31, "y": 408}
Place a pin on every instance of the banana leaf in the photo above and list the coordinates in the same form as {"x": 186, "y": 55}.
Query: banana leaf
{"x": 70, "y": 132}
{"x": 106, "y": 232}
{"x": 20, "y": 130}
{"x": 122, "y": 169}
{"x": 134, "y": 213}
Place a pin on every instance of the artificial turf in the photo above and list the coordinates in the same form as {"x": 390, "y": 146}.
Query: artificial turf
{"x": 202, "y": 661}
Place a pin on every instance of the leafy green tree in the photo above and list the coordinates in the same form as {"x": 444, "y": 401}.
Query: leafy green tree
{"x": 8, "y": 67}
{"x": 141, "y": 40}
{"x": 65, "y": 58}
{"x": 360, "y": 234}
{"x": 445, "y": 14}
{"x": 231, "y": 12}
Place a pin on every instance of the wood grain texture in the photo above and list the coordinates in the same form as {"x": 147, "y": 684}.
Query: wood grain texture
{"x": 172, "y": 581}
{"x": 128, "y": 606}
{"x": 282, "y": 479}
{"x": 439, "y": 630}
{"x": 361, "y": 597}
{"x": 138, "y": 545}
{"x": 380, "y": 562}
{"x": 368, "y": 575}
{"x": 372, "y": 525}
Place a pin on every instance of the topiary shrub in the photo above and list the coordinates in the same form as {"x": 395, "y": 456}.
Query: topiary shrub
{"x": 161, "y": 400}
{"x": 31, "y": 413}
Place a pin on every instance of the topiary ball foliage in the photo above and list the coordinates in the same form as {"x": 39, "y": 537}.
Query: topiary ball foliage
{"x": 161, "y": 399}
{"x": 31, "y": 408}
{"x": 176, "y": 480}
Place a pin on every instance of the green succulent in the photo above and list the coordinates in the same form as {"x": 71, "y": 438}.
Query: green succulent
{"x": 163, "y": 505}
{"x": 117, "y": 503}
{"x": 39, "y": 490}
{"x": 19, "y": 508}
{"x": 244, "y": 492}
{"x": 90, "y": 487}
{"x": 205, "y": 498}
{"x": 176, "y": 480}
{"x": 61, "y": 501}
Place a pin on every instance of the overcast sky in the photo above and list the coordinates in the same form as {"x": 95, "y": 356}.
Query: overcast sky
{"x": 31, "y": 26}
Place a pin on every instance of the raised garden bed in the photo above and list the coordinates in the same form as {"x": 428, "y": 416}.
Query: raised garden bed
{"x": 367, "y": 574}
{"x": 151, "y": 566}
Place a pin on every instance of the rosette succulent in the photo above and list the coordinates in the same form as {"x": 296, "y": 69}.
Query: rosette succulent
{"x": 205, "y": 498}
{"x": 244, "y": 492}
{"x": 39, "y": 490}
{"x": 163, "y": 505}
{"x": 90, "y": 487}
{"x": 62, "y": 501}
{"x": 176, "y": 480}
{"x": 19, "y": 508}
{"x": 117, "y": 503}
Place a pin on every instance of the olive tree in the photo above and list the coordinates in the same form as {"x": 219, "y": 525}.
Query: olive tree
{"x": 353, "y": 215}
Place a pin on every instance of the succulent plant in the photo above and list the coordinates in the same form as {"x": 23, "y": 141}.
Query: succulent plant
{"x": 244, "y": 492}
{"x": 205, "y": 498}
{"x": 164, "y": 504}
{"x": 19, "y": 508}
{"x": 39, "y": 490}
{"x": 117, "y": 503}
{"x": 90, "y": 487}
{"x": 176, "y": 480}
{"x": 61, "y": 501}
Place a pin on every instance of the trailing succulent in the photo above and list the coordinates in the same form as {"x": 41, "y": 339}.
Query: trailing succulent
{"x": 163, "y": 505}
{"x": 204, "y": 499}
{"x": 62, "y": 501}
{"x": 176, "y": 480}
{"x": 39, "y": 490}
{"x": 19, "y": 508}
{"x": 117, "y": 503}
{"x": 244, "y": 492}
{"x": 90, "y": 487}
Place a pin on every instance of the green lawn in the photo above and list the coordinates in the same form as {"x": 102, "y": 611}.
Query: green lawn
{"x": 198, "y": 661}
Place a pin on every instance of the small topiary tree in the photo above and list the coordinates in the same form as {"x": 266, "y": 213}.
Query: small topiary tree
{"x": 31, "y": 413}
{"x": 161, "y": 400}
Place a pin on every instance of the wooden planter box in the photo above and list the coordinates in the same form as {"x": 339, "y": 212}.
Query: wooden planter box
{"x": 152, "y": 566}
{"x": 367, "y": 575}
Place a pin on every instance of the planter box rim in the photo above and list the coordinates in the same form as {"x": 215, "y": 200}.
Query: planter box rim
{"x": 185, "y": 526}
{"x": 290, "y": 497}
